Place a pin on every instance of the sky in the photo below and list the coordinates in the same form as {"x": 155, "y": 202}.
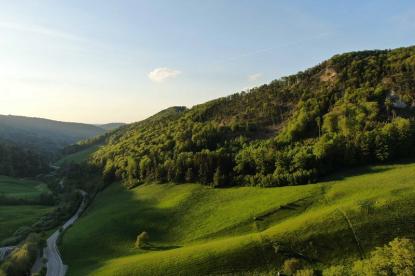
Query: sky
{"x": 100, "y": 61}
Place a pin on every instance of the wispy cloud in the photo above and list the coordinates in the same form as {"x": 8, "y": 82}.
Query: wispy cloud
{"x": 162, "y": 74}
{"x": 255, "y": 77}
{"x": 279, "y": 46}
{"x": 40, "y": 30}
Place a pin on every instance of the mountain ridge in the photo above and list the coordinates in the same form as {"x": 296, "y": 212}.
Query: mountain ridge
{"x": 291, "y": 131}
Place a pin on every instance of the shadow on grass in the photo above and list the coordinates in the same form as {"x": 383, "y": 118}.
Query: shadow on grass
{"x": 340, "y": 174}
{"x": 152, "y": 247}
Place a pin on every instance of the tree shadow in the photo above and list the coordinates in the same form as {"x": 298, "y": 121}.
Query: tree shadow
{"x": 152, "y": 247}
{"x": 350, "y": 172}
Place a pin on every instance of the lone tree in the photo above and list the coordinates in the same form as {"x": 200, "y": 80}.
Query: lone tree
{"x": 142, "y": 239}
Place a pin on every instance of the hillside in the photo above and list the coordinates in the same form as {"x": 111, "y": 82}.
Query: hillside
{"x": 353, "y": 109}
{"x": 196, "y": 230}
{"x": 110, "y": 126}
{"x": 43, "y": 135}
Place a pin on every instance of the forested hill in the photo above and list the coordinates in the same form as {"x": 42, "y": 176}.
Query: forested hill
{"x": 110, "y": 126}
{"x": 42, "y": 135}
{"x": 355, "y": 108}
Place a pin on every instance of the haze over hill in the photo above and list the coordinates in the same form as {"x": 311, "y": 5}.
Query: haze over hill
{"x": 110, "y": 126}
{"x": 44, "y": 134}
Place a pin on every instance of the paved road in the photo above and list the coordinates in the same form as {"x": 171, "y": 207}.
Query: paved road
{"x": 4, "y": 251}
{"x": 55, "y": 266}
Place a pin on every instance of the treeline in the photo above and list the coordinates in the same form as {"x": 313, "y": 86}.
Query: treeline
{"x": 19, "y": 161}
{"x": 353, "y": 109}
{"x": 68, "y": 203}
{"x": 45, "y": 198}
{"x": 22, "y": 258}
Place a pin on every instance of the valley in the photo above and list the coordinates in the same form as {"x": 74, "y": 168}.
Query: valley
{"x": 310, "y": 174}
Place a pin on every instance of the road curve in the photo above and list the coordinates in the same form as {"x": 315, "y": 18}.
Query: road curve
{"x": 54, "y": 265}
{"x": 4, "y": 251}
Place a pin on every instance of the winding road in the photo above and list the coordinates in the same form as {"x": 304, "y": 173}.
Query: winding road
{"x": 4, "y": 251}
{"x": 54, "y": 265}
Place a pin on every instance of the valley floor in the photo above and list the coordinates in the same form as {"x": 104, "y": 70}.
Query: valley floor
{"x": 12, "y": 217}
{"x": 197, "y": 230}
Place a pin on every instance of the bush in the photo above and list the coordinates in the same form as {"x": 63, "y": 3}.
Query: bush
{"x": 142, "y": 239}
{"x": 291, "y": 266}
{"x": 305, "y": 272}
{"x": 395, "y": 258}
{"x": 336, "y": 270}
{"x": 21, "y": 259}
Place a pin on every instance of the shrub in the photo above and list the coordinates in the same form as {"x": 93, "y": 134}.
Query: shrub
{"x": 336, "y": 270}
{"x": 142, "y": 239}
{"x": 305, "y": 272}
{"x": 395, "y": 258}
{"x": 291, "y": 266}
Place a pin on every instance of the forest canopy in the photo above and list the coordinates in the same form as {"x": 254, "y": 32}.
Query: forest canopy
{"x": 353, "y": 109}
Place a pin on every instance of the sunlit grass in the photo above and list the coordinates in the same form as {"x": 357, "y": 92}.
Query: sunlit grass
{"x": 197, "y": 230}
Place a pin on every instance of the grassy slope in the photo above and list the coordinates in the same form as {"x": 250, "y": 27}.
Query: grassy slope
{"x": 13, "y": 217}
{"x": 196, "y": 230}
{"x": 78, "y": 157}
{"x": 21, "y": 187}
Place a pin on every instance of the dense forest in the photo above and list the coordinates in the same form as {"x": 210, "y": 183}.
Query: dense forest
{"x": 20, "y": 162}
{"x": 355, "y": 108}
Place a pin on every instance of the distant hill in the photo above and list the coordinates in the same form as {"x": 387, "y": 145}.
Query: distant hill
{"x": 111, "y": 126}
{"x": 43, "y": 135}
{"x": 353, "y": 109}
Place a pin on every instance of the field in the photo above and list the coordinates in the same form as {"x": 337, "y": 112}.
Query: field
{"x": 196, "y": 230}
{"x": 77, "y": 157}
{"x": 16, "y": 216}
{"x": 21, "y": 188}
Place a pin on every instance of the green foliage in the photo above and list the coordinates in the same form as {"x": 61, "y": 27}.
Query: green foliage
{"x": 291, "y": 266}
{"x": 78, "y": 157}
{"x": 21, "y": 259}
{"x": 350, "y": 110}
{"x": 395, "y": 258}
{"x": 304, "y": 272}
{"x": 335, "y": 270}
{"x": 20, "y": 161}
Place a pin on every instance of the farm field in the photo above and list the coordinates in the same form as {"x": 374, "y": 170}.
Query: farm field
{"x": 195, "y": 229}
{"x": 12, "y": 217}
{"x": 20, "y": 188}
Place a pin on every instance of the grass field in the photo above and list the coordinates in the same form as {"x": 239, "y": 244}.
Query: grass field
{"x": 16, "y": 216}
{"x": 196, "y": 230}
{"x": 20, "y": 188}
{"x": 78, "y": 157}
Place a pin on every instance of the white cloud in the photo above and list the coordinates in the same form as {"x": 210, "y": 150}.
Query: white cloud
{"x": 255, "y": 77}
{"x": 162, "y": 74}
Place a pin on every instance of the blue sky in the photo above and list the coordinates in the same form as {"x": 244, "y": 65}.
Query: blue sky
{"x": 103, "y": 61}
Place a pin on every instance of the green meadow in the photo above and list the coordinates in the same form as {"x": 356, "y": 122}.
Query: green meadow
{"x": 20, "y": 188}
{"x": 78, "y": 157}
{"x": 12, "y": 217}
{"x": 197, "y": 230}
